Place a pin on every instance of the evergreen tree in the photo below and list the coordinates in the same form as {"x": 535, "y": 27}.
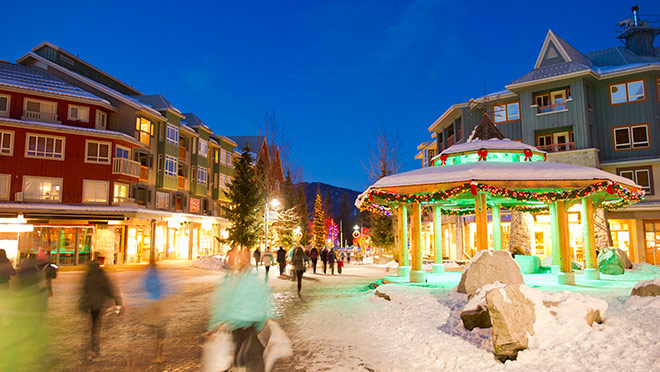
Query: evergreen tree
{"x": 247, "y": 202}
{"x": 318, "y": 225}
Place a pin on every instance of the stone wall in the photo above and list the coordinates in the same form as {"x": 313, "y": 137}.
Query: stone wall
{"x": 585, "y": 158}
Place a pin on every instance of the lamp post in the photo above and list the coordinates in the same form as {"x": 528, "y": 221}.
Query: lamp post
{"x": 274, "y": 203}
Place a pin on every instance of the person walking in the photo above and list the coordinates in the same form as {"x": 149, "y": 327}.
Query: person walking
{"x": 6, "y": 272}
{"x": 257, "y": 257}
{"x": 267, "y": 260}
{"x": 348, "y": 257}
{"x": 299, "y": 265}
{"x": 49, "y": 269}
{"x": 332, "y": 258}
{"x": 324, "y": 259}
{"x": 96, "y": 290}
{"x": 281, "y": 259}
{"x": 314, "y": 257}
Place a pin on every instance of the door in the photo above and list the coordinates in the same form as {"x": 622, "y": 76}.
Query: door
{"x": 652, "y": 240}
{"x": 558, "y": 100}
{"x": 561, "y": 141}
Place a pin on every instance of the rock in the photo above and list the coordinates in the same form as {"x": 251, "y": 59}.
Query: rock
{"x": 565, "y": 305}
{"x": 623, "y": 257}
{"x": 476, "y": 318}
{"x": 647, "y": 288}
{"x": 528, "y": 264}
{"x": 593, "y": 315}
{"x": 488, "y": 267}
{"x": 383, "y": 295}
{"x": 609, "y": 262}
{"x": 512, "y": 316}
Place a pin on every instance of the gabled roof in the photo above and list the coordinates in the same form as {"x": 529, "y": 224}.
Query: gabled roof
{"x": 220, "y": 138}
{"x": 485, "y": 130}
{"x": 255, "y": 142}
{"x": 34, "y": 80}
{"x": 552, "y": 71}
{"x": 194, "y": 121}
{"x": 556, "y": 50}
{"x": 158, "y": 103}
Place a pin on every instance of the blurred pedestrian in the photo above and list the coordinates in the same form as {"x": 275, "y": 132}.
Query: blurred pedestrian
{"x": 241, "y": 304}
{"x": 324, "y": 259}
{"x": 6, "y": 272}
{"x": 281, "y": 259}
{"x": 48, "y": 269}
{"x": 314, "y": 257}
{"x": 97, "y": 289}
{"x": 348, "y": 257}
{"x": 267, "y": 260}
{"x": 340, "y": 265}
{"x": 257, "y": 257}
{"x": 299, "y": 265}
{"x": 332, "y": 258}
{"x": 155, "y": 311}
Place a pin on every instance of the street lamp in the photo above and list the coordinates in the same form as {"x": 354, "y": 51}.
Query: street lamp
{"x": 273, "y": 203}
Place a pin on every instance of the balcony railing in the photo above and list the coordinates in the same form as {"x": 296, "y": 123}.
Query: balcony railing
{"x": 144, "y": 173}
{"x": 181, "y": 182}
{"x": 39, "y": 116}
{"x": 552, "y": 108}
{"x": 126, "y": 167}
{"x": 450, "y": 140}
{"x": 118, "y": 200}
{"x": 182, "y": 152}
{"x": 557, "y": 147}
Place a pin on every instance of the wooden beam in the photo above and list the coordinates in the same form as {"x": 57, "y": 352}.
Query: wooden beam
{"x": 403, "y": 235}
{"x": 481, "y": 219}
{"x": 497, "y": 227}
{"x": 416, "y": 231}
{"x": 437, "y": 235}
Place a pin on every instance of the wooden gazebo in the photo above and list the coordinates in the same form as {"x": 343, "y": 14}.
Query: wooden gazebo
{"x": 489, "y": 171}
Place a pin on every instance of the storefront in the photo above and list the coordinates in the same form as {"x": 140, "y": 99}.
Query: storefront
{"x": 66, "y": 244}
{"x": 652, "y": 241}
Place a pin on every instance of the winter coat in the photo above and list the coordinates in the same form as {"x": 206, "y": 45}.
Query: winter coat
{"x": 281, "y": 256}
{"x": 6, "y": 270}
{"x": 314, "y": 254}
{"x": 97, "y": 288}
{"x": 299, "y": 261}
{"x": 257, "y": 255}
{"x": 324, "y": 255}
{"x": 153, "y": 285}
{"x": 332, "y": 257}
{"x": 267, "y": 258}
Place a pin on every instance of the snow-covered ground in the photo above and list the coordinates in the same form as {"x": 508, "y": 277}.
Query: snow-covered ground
{"x": 345, "y": 327}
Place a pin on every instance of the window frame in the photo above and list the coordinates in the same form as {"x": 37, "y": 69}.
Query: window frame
{"x": 12, "y": 135}
{"x": 5, "y": 178}
{"x": 78, "y": 107}
{"x": 634, "y": 171}
{"x": 40, "y": 102}
{"x": 141, "y": 132}
{"x": 27, "y": 196}
{"x": 96, "y": 183}
{"x": 128, "y": 151}
{"x": 627, "y": 91}
{"x": 631, "y": 142}
{"x": 99, "y": 160}
{"x": 173, "y": 128}
{"x": 205, "y": 154}
{"x": 202, "y": 180}
{"x": 46, "y": 136}
{"x": 507, "y": 119}
{"x": 116, "y": 185}
{"x": 194, "y": 201}
{"x": 5, "y": 113}
{"x": 158, "y": 195}
{"x": 173, "y": 161}
{"x": 97, "y": 123}
{"x": 551, "y": 94}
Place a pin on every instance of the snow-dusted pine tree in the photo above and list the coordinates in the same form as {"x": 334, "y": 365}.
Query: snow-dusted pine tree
{"x": 318, "y": 229}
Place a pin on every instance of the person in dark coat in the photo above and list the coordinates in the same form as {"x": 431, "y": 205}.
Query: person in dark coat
{"x": 314, "y": 256}
{"x": 6, "y": 272}
{"x": 96, "y": 290}
{"x": 332, "y": 258}
{"x": 324, "y": 259}
{"x": 281, "y": 259}
{"x": 257, "y": 257}
{"x": 299, "y": 265}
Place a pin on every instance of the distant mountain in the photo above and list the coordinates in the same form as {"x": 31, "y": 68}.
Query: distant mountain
{"x": 336, "y": 195}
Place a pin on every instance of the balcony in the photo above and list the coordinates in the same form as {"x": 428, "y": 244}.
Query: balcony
{"x": 450, "y": 141}
{"x": 181, "y": 182}
{"x": 39, "y": 116}
{"x": 144, "y": 173}
{"x": 182, "y": 152}
{"x": 558, "y": 147}
{"x": 551, "y": 108}
{"x": 125, "y": 167}
{"x": 118, "y": 200}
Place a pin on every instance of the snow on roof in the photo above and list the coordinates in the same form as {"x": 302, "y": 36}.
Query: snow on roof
{"x": 494, "y": 171}
{"x": 491, "y": 144}
{"x": 157, "y": 102}
{"x": 36, "y": 80}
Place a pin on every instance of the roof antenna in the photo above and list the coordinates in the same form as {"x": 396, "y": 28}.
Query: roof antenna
{"x": 484, "y": 88}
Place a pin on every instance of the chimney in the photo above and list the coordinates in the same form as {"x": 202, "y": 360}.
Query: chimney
{"x": 639, "y": 35}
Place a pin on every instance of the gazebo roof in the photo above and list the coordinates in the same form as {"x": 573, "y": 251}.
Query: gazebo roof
{"x": 485, "y": 130}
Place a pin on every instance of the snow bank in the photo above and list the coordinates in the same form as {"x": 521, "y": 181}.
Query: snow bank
{"x": 479, "y": 298}
{"x": 210, "y": 263}
{"x": 643, "y": 303}
{"x": 390, "y": 265}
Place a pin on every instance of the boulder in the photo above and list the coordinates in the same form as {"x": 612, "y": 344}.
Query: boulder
{"x": 647, "y": 288}
{"x": 475, "y": 313}
{"x": 609, "y": 262}
{"x": 488, "y": 267}
{"x": 512, "y": 316}
{"x": 528, "y": 264}
{"x": 623, "y": 257}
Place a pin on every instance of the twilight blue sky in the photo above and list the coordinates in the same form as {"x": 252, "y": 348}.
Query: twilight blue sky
{"x": 332, "y": 71}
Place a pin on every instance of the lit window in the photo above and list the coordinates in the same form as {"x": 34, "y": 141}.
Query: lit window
{"x": 631, "y": 137}
{"x": 79, "y": 113}
{"x": 120, "y": 192}
{"x": 194, "y": 205}
{"x": 4, "y": 105}
{"x": 95, "y": 191}
{"x": 170, "y": 165}
{"x": 202, "y": 176}
{"x": 42, "y": 188}
{"x": 627, "y": 92}
{"x": 162, "y": 200}
{"x": 172, "y": 134}
{"x": 145, "y": 130}
{"x": 98, "y": 152}
{"x": 42, "y": 146}
{"x": 6, "y": 143}
{"x": 203, "y": 148}
{"x": 642, "y": 176}
{"x": 101, "y": 120}
{"x": 4, "y": 186}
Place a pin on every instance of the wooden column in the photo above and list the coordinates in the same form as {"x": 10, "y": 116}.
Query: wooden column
{"x": 417, "y": 273}
{"x": 565, "y": 275}
{"x": 404, "y": 264}
{"x": 554, "y": 232}
{"x": 497, "y": 227}
{"x": 438, "y": 266}
{"x": 591, "y": 268}
{"x": 481, "y": 219}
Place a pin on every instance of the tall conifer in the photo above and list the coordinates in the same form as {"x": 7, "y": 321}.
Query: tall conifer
{"x": 318, "y": 228}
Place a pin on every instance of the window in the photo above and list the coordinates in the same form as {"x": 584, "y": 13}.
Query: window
{"x": 223, "y": 157}
{"x": 631, "y": 137}
{"x": 120, "y": 193}
{"x": 172, "y": 134}
{"x": 230, "y": 157}
{"x": 43, "y": 146}
{"x": 194, "y": 205}
{"x": 122, "y": 152}
{"x": 203, "y": 148}
{"x": 642, "y": 176}
{"x": 627, "y": 92}
{"x": 40, "y": 110}
{"x": 95, "y": 191}
{"x": 170, "y": 165}
{"x": 162, "y": 200}
{"x": 6, "y": 143}
{"x": 4, "y": 105}
{"x": 98, "y": 152}
{"x": 217, "y": 156}
{"x": 101, "y": 120}
{"x": 145, "y": 130}
{"x": 42, "y": 188}
{"x": 508, "y": 112}
{"x": 551, "y": 101}
{"x": 4, "y": 186}
{"x": 79, "y": 113}
{"x": 202, "y": 176}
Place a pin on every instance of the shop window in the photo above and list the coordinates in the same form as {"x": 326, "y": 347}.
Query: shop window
{"x": 642, "y": 176}
{"x": 6, "y": 143}
{"x": 42, "y": 188}
{"x": 98, "y": 152}
{"x": 43, "y": 146}
{"x": 95, "y": 191}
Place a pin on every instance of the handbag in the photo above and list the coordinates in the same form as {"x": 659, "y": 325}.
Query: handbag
{"x": 218, "y": 351}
